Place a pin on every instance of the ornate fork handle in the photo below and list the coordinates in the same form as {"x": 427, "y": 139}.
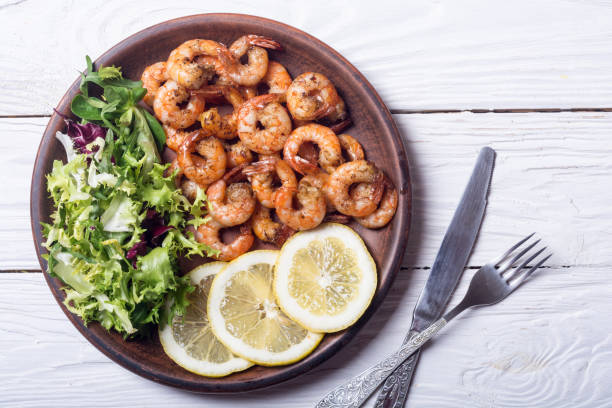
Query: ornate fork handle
{"x": 394, "y": 391}
{"x": 355, "y": 392}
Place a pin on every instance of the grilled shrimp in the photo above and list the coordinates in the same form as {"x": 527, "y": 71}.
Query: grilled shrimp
{"x": 249, "y": 74}
{"x": 261, "y": 175}
{"x": 351, "y": 147}
{"x": 230, "y": 205}
{"x": 330, "y": 152}
{"x": 272, "y": 116}
{"x": 194, "y": 62}
{"x": 311, "y": 210}
{"x": 386, "y": 209}
{"x": 278, "y": 80}
{"x": 223, "y": 127}
{"x": 268, "y": 230}
{"x": 208, "y": 233}
{"x": 174, "y": 137}
{"x": 237, "y": 154}
{"x": 152, "y": 78}
{"x": 339, "y": 127}
{"x": 340, "y": 181}
{"x": 188, "y": 188}
{"x": 312, "y": 96}
{"x": 168, "y": 105}
{"x": 208, "y": 168}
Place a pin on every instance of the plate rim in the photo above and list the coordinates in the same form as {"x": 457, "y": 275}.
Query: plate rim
{"x": 296, "y": 369}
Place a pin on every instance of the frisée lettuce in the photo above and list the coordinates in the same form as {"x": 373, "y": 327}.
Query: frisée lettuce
{"x": 119, "y": 223}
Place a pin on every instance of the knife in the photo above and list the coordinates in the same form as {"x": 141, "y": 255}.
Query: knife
{"x": 445, "y": 273}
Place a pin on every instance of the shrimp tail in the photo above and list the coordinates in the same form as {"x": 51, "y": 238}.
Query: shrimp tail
{"x": 379, "y": 187}
{"x": 236, "y": 174}
{"x": 283, "y": 234}
{"x": 303, "y": 166}
{"x": 337, "y": 217}
{"x": 264, "y": 42}
{"x": 324, "y": 110}
{"x": 341, "y": 126}
{"x": 263, "y": 166}
{"x": 261, "y": 101}
{"x": 225, "y": 57}
{"x": 245, "y": 228}
{"x": 209, "y": 91}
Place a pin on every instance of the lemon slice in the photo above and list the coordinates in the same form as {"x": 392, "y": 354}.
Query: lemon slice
{"x": 190, "y": 342}
{"x": 245, "y": 317}
{"x": 325, "y": 278}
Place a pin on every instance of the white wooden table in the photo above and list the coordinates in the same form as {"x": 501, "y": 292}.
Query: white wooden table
{"x": 531, "y": 79}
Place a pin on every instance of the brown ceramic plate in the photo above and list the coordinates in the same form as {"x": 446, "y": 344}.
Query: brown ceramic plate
{"x": 373, "y": 127}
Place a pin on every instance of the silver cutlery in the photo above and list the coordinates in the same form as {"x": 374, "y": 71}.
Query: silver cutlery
{"x": 491, "y": 284}
{"x": 447, "y": 268}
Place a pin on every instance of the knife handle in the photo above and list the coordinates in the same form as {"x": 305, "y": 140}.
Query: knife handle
{"x": 394, "y": 391}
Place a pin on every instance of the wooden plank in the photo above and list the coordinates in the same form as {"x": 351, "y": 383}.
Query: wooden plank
{"x": 540, "y": 347}
{"x": 428, "y": 55}
{"x": 550, "y": 176}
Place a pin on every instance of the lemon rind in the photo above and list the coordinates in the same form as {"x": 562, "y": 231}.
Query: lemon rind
{"x": 310, "y": 321}
{"x": 238, "y": 347}
{"x": 177, "y": 354}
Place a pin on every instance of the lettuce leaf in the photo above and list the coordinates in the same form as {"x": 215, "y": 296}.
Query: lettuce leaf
{"x": 119, "y": 224}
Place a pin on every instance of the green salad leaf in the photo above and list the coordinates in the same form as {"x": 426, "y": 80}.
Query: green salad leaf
{"x": 120, "y": 224}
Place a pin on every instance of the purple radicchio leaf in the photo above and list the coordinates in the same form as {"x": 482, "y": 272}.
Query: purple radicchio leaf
{"x": 139, "y": 248}
{"x": 155, "y": 227}
{"x": 82, "y": 135}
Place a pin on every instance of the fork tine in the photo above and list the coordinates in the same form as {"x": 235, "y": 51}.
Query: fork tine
{"x": 527, "y": 274}
{"x": 508, "y": 264}
{"x": 522, "y": 265}
{"x": 508, "y": 252}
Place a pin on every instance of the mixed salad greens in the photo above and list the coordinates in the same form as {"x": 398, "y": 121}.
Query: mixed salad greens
{"x": 119, "y": 224}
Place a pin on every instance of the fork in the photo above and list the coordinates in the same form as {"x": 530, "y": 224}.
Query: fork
{"x": 491, "y": 284}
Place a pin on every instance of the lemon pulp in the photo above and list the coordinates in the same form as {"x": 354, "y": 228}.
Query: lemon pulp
{"x": 324, "y": 276}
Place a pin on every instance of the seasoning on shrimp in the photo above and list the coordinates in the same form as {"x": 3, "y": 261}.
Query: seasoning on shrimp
{"x": 210, "y": 165}
{"x": 188, "y": 188}
{"x": 187, "y": 67}
{"x": 231, "y": 204}
{"x": 223, "y": 127}
{"x": 351, "y": 147}
{"x": 168, "y": 105}
{"x": 385, "y": 211}
{"x": 265, "y": 112}
{"x": 312, "y": 96}
{"x": 330, "y": 152}
{"x": 174, "y": 137}
{"x": 340, "y": 181}
{"x": 261, "y": 175}
{"x": 255, "y": 69}
{"x": 311, "y": 209}
{"x": 268, "y": 230}
{"x": 238, "y": 154}
{"x": 208, "y": 233}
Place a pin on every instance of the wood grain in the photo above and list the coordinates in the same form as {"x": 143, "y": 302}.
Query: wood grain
{"x": 547, "y": 345}
{"x": 548, "y": 178}
{"x": 422, "y": 55}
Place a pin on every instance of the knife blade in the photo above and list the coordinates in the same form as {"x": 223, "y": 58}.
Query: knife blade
{"x": 445, "y": 273}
